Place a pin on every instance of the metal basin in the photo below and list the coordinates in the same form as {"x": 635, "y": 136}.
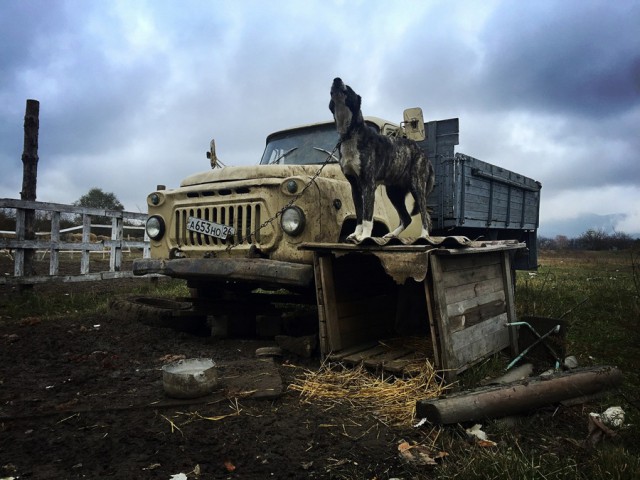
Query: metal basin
{"x": 189, "y": 378}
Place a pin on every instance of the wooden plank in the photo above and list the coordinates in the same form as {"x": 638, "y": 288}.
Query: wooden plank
{"x": 435, "y": 336}
{"x": 64, "y": 208}
{"x": 117, "y": 233}
{"x": 322, "y": 316}
{"x": 48, "y": 245}
{"x": 471, "y": 275}
{"x": 91, "y": 277}
{"x": 458, "y": 293}
{"x": 481, "y": 247}
{"x": 382, "y": 359}
{"x": 334, "y": 342}
{"x": 398, "y": 366}
{"x": 447, "y": 356}
{"x": 18, "y": 256}
{"x": 86, "y": 230}
{"x": 337, "y": 356}
{"x": 54, "y": 259}
{"x": 480, "y": 340}
{"x": 481, "y": 332}
{"x": 362, "y": 355}
{"x": 476, "y": 315}
{"x": 471, "y": 262}
{"x": 464, "y": 306}
{"x": 511, "y": 307}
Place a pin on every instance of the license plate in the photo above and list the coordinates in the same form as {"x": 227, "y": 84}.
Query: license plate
{"x": 209, "y": 228}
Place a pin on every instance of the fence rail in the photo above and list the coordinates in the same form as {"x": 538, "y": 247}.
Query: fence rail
{"x": 51, "y": 242}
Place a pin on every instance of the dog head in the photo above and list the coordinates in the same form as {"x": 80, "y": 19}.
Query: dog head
{"x": 345, "y": 106}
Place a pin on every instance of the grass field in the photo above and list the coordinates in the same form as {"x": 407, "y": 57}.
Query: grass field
{"x": 597, "y": 293}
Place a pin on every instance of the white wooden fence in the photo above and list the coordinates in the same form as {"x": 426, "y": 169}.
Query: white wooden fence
{"x": 52, "y": 243}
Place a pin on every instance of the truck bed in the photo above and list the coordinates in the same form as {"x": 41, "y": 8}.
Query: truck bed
{"x": 478, "y": 199}
{"x": 475, "y": 194}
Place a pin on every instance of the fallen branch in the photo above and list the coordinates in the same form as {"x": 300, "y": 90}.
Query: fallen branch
{"x": 517, "y": 397}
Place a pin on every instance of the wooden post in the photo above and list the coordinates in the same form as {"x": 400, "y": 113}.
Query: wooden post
{"x": 517, "y": 397}
{"x": 30, "y": 176}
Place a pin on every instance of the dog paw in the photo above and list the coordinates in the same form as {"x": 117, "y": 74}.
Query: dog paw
{"x": 361, "y": 238}
{"x": 389, "y": 236}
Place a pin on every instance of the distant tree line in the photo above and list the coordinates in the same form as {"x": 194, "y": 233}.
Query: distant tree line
{"x": 592, "y": 239}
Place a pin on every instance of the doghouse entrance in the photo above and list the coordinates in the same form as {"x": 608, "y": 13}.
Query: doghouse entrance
{"x": 367, "y": 315}
{"x": 385, "y": 307}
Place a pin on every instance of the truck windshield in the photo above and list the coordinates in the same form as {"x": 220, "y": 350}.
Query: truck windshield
{"x": 301, "y": 147}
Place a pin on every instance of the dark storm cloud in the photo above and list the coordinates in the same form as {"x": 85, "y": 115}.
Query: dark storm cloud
{"x": 548, "y": 89}
{"x": 577, "y": 57}
{"x": 87, "y": 101}
{"x": 22, "y": 28}
{"x": 572, "y": 57}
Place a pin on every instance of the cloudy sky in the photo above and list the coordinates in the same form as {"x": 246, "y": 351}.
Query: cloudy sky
{"x": 132, "y": 91}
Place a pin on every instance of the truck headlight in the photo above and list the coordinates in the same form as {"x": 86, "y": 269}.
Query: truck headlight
{"x": 155, "y": 227}
{"x": 292, "y": 221}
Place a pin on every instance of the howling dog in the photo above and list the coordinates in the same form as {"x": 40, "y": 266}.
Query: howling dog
{"x": 369, "y": 159}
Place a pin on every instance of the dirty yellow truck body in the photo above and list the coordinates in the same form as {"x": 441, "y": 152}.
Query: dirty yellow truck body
{"x": 298, "y": 194}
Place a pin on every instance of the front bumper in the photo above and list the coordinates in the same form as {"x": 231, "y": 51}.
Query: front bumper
{"x": 250, "y": 270}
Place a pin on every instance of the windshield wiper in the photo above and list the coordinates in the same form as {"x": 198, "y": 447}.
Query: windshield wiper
{"x": 277, "y": 160}
{"x": 327, "y": 152}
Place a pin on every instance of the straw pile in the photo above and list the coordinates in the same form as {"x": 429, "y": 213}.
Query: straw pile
{"x": 390, "y": 399}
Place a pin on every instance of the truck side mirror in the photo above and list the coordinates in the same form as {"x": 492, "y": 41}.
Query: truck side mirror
{"x": 211, "y": 155}
{"x": 414, "y": 124}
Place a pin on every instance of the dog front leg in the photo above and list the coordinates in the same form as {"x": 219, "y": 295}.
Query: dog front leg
{"x": 356, "y": 195}
{"x": 368, "y": 199}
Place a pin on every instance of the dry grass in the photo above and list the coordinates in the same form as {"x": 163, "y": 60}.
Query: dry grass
{"x": 390, "y": 399}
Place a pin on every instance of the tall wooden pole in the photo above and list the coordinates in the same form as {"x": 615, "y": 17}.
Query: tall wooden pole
{"x": 30, "y": 174}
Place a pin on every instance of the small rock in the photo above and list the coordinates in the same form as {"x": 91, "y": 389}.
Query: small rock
{"x": 571, "y": 362}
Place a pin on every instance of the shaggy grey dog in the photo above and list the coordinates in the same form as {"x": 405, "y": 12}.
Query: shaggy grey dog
{"x": 369, "y": 159}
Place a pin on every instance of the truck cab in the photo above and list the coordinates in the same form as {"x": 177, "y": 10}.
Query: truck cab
{"x": 268, "y": 210}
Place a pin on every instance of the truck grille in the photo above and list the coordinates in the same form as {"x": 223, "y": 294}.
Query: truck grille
{"x": 244, "y": 218}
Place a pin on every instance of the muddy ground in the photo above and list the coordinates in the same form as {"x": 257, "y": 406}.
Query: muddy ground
{"x": 83, "y": 398}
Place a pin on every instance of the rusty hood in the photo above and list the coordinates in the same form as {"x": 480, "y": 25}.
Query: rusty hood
{"x": 258, "y": 172}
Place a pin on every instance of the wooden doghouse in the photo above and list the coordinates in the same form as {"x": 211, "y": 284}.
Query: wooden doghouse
{"x": 455, "y": 294}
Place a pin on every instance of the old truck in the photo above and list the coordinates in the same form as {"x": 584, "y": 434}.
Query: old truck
{"x": 240, "y": 228}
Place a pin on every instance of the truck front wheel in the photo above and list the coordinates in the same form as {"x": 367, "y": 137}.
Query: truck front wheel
{"x": 158, "y": 312}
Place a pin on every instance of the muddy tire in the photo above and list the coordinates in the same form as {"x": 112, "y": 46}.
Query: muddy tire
{"x": 268, "y": 352}
{"x": 157, "y": 312}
